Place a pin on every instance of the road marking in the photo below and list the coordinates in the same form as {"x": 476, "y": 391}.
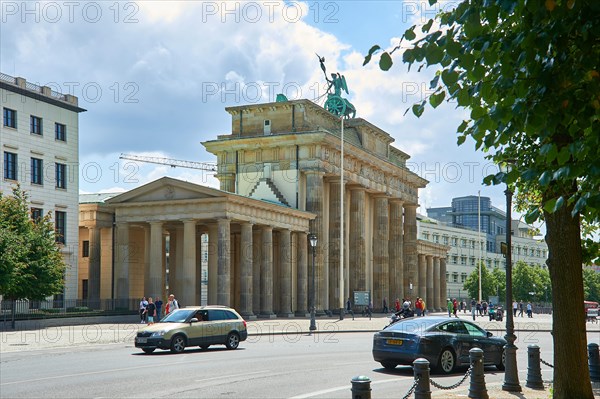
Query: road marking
{"x": 233, "y": 376}
{"x": 341, "y": 388}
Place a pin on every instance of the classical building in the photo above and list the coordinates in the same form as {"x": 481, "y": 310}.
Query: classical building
{"x": 40, "y": 148}
{"x": 279, "y": 173}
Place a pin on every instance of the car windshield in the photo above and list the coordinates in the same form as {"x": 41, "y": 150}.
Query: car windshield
{"x": 415, "y": 326}
{"x": 178, "y": 316}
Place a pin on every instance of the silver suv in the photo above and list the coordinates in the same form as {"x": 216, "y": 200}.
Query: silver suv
{"x": 201, "y": 326}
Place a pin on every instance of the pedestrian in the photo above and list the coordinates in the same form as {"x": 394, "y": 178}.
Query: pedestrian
{"x": 418, "y": 307}
{"x": 385, "y": 306}
{"x": 521, "y": 308}
{"x": 464, "y": 306}
{"x": 150, "y": 311}
{"x": 397, "y": 304}
{"x": 461, "y": 305}
{"x": 454, "y": 307}
{"x": 349, "y": 308}
{"x": 423, "y": 307}
{"x": 529, "y": 310}
{"x": 450, "y": 306}
{"x": 484, "y": 305}
{"x": 143, "y": 304}
{"x": 158, "y": 303}
{"x": 173, "y": 304}
{"x": 473, "y": 307}
{"x": 478, "y": 307}
{"x": 370, "y": 309}
{"x": 515, "y": 308}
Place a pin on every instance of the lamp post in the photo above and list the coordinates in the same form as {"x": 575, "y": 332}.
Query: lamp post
{"x": 312, "y": 238}
{"x": 511, "y": 376}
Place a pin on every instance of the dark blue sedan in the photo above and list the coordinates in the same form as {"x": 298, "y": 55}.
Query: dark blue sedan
{"x": 444, "y": 342}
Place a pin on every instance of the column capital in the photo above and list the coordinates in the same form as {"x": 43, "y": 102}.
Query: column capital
{"x": 411, "y": 206}
{"x": 395, "y": 200}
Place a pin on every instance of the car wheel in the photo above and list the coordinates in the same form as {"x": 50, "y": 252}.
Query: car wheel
{"x": 204, "y": 347}
{"x": 148, "y": 350}
{"x": 502, "y": 365}
{"x": 389, "y": 365}
{"x": 178, "y": 344}
{"x": 233, "y": 341}
{"x": 447, "y": 362}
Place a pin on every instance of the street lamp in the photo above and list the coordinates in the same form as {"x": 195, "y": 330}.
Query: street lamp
{"x": 511, "y": 376}
{"x": 312, "y": 238}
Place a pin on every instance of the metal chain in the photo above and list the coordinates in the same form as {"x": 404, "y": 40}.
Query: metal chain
{"x": 438, "y": 386}
{"x": 546, "y": 363}
{"x": 412, "y": 389}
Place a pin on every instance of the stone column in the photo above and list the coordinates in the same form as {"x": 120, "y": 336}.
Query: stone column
{"x": 213, "y": 256}
{"x": 122, "y": 260}
{"x": 256, "y": 267}
{"x": 94, "y": 271}
{"x": 266, "y": 273}
{"x": 437, "y": 300}
{"x": 420, "y": 289}
{"x": 155, "y": 285}
{"x": 246, "y": 265}
{"x": 224, "y": 263}
{"x": 314, "y": 204}
{"x": 410, "y": 248}
{"x": 381, "y": 276}
{"x": 334, "y": 244}
{"x": 285, "y": 277}
{"x": 302, "y": 278}
{"x": 443, "y": 293}
{"x": 189, "y": 284}
{"x": 227, "y": 182}
{"x": 430, "y": 300}
{"x": 358, "y": 264}
{"x": 395, "y": 250}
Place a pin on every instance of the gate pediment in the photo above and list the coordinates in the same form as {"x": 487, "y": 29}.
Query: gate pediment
{"x": 166, "y": 189}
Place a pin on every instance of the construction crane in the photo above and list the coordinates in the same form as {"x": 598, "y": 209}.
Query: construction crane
{"x": 209, "y": 167}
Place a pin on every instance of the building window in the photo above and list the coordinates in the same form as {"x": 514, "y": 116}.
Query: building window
{"x": 445, "y": 240}
{"x": 60, "y": 226}
{"x": 436, "y": 238}
{"x": 10, "y": 118}
{"x": 425, "y": 235}
{"x": 61, "y": 175}
{"x": 455, "y": 259}
{"x": 463, "y": 243}
{"x": 61, "y": 132}
{"x": 10, "y": 166}
{"x": 463, "y": 277}
{"x": 36, "y": 170}
{"x": 37, "y": 214}
{"x": 85, "y": 249}
{"x": 463, "y": 260}
{"x": 455, "y": 277}
{"x": 472, "y": 261}
{"x": 472, "y": 244}
{"x": 36, "y": 125}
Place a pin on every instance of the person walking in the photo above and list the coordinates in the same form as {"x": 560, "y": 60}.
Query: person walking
{"x": 473, "y": 307}
{"x": 158, "y": 303}
{"x": 484, "y": 305}
{"x": 173, "y": 304}
{"x": 450, "y": 307}
{"x": 521, "y": 308}
{"x": 143, "y": 304}
{"x": 150, "y": 311}
{"x": 349, "y": 308}
{"x": 423, "y": 307}
{"x": 397, "y": 304}
{"x": 385, "y": 306}
{"x": 419, "y": 307}
{"x": 529, "y": 310}
{"x": 515, "y": 308}
{"x": 478, "y": 307}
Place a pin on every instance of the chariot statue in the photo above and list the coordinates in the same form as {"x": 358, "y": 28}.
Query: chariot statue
{"x": 335, "y": 103}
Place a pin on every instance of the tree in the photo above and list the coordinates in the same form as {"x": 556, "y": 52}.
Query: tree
{"x": 528, "y": 72}
{"x": 591, "y": 285}
{"x": 530, "y": 283}
{"x": 489, "y": 283}
{"x": 31, "y": 265}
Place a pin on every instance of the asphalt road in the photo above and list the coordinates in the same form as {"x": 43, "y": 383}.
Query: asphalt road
{"x": 277, "y": 366}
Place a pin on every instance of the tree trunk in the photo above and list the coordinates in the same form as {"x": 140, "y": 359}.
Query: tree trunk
{"x": 571, "y": 373}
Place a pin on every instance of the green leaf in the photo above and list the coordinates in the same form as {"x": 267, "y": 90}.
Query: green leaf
{"x": 532, "y": 216}
{"x": 434, "y": 82}
{"x": 545, "y": 178}
{"x": 436, "y": 99}
{"x": 425, "y": 28}
{"x": 385, "y": 62}
{"x": 449, "y": 77}
{"x": 434, "y": 55}
{"x": 563, "y": 155}
{"x": 372, "y": 51}
{"x": 418, "y": 109}
{"x": 409, "y": 34}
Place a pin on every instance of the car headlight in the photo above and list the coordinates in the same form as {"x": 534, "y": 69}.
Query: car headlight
{"x": 159, "y": 333}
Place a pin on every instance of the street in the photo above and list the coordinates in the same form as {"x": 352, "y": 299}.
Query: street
{"x": 270, "y": 366}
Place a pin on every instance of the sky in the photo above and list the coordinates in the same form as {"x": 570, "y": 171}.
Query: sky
{"x": 155, "y": 78}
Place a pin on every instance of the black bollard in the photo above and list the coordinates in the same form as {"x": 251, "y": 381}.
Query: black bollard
{"x": 421, "y": 371}
{"x": 361, "y": 387}
{"x": 594, "y": 362}
{"x": 477, "y": 389}
{"x": 534, "y": 371}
